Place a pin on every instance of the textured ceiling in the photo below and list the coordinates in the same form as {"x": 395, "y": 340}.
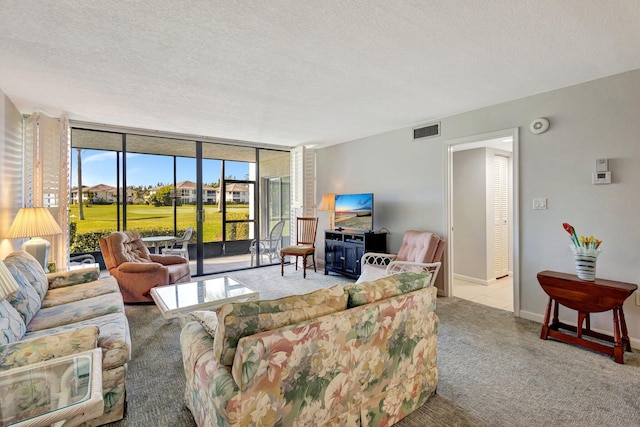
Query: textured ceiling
{"x": 293, "y": 72}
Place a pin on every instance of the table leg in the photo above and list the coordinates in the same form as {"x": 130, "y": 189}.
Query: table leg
{"x": 556, "y": 313}
{"x": 625, "y": 335}
{"x": 544, "y": 333}
{"x": 581, "y": 317}
{"x": 618, "y": 348}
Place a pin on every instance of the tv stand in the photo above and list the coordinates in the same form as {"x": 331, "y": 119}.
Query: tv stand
{"x": 343, "y": 250}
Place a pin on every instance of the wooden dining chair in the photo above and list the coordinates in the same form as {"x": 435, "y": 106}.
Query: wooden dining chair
{"x": 306, "y": 229}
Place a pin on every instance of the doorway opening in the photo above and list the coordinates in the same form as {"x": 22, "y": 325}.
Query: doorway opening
{"x": 482, "y": 225}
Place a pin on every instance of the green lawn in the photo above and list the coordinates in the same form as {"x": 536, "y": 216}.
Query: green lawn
{"x": 149, "y": 220}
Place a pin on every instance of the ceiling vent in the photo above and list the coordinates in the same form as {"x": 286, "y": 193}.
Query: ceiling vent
{"x": 428, "y": 131}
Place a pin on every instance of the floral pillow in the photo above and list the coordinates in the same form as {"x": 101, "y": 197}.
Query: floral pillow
{"x": 25, "y": 300}
{"x": 31, "y": 269}
{"x": 12, "y": 327}
{"x": 208, "y": 320}
{"x": 386, "y": 287}
{"x": 237, "y": 320}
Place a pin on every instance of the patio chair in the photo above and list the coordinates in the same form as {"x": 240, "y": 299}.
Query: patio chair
{"x": 419, "y": 250}
{"x": 268, "y": 247}
{"x": 180, "y": 246}
{"x": 306, "y": 229}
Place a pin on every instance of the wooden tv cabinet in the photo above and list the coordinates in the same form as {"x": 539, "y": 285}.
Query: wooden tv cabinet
{"x": 344, "y": 249}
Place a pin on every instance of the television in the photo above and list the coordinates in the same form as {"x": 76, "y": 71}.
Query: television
{"x": 354, "y": 211}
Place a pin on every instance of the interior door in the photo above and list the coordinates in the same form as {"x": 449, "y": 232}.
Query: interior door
{"x": 501, "y": 216}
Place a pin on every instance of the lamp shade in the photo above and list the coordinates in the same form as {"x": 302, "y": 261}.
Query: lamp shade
{"x": 33, "y": 222}
{"x": 328, "y": 202}
{"x": 8, "y": 284}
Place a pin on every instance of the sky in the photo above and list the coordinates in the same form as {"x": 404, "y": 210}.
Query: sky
{"x": 99, "y": 167}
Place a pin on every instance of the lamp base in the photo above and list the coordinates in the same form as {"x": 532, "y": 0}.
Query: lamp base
{"x": 39, "y": 248}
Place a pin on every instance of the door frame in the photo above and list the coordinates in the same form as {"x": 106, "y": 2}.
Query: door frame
{"x": 505, "y": 133}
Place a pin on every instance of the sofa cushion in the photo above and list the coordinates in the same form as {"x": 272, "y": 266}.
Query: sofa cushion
{"x": 114, "y": 337}
{"x": 58, "y": 296}
{"x": 29, "y": 351}
{"x": 237, "y": 320}
{"x": 386, "y": 287}
{"x": 12, "y": 325}
{"x": 31, "y": 269}
{"x": 25, "y": 300}
{"x": 61, "y": 279}
{"x": 76, "y": 312}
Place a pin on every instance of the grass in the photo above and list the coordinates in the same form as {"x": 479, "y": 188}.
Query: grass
{"x": 146, "y": 218}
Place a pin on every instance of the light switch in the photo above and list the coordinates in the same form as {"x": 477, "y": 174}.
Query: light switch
{"x": 540, "y": 203}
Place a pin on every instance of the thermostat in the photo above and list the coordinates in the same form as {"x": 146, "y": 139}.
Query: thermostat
{"x": 602, "y": 177}
{"x": 602, "y": 165}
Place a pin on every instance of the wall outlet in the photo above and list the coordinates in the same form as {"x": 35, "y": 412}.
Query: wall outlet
{"x": 638, "y": 298}
{"x": 540, "y": 203}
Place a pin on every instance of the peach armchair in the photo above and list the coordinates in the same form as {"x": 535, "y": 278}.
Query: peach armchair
{"x": 419, "y": 250}
{"x": 136, "y": 270}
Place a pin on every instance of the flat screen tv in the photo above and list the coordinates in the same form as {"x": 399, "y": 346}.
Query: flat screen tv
{"x": 354, "y": 211}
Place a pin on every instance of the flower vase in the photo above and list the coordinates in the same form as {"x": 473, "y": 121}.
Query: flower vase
{"x": 585, "y": 263}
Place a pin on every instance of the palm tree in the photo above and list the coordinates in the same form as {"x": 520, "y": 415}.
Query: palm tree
{"x": 80, "y": 189}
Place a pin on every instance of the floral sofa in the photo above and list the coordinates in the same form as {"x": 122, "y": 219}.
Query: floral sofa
{"x": 57, "y": 314}
{"x": 363, "y": 354}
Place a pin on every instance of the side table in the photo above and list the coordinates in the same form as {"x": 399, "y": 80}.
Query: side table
{"x": 586, "y": 297}
{"x": 65, "y": 391}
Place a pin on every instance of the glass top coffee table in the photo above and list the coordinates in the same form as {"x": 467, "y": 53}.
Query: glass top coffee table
{"x": 61, "y": 391}
{"x": 177, "y": 300}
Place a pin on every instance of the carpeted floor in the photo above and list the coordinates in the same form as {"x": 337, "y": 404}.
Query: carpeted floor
{"x": 494, "y": 369}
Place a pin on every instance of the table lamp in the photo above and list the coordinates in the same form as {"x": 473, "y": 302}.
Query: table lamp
{"x": 8, "y": 284}
{"x": 328, "y": 204}
{"x": 33, "y": 223}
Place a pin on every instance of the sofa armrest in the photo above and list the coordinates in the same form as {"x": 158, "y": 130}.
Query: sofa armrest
{"x": 402, "y": 266}
{"x": 74, "y": 277}
{"x": 139, "y": 267}
{"x": 29, "y": 351}
{"x": 167, "y": 259}
{"x": 375, "y": 258}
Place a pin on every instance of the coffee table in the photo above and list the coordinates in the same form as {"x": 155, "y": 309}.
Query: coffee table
{"x": 63, "y": 391}
{"x": 174, "y": 301}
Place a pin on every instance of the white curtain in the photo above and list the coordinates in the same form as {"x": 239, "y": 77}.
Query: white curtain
{"x": 46, "y": 175}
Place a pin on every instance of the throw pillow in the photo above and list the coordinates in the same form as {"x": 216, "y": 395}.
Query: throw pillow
{"x": 31, "y": 269}
{"x": 386, "y": 287}
{"x": 25, "y": 300}
{"x": 12, "y": 327}
{"x": 237, "y": 320}
{"x": 208, "y": 320}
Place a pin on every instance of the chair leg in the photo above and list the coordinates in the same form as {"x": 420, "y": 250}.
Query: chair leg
{"x": 296, "y": 262}
{"x": 304, "y": 267}
{"x": 313, "y": 257}
{"x": 282, "y": 265}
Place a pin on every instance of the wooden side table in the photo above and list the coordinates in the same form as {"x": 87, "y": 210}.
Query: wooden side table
{"x": 586, "y": 297}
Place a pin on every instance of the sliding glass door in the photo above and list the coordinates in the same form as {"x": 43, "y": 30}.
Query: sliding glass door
{"x": 161, "y": 186}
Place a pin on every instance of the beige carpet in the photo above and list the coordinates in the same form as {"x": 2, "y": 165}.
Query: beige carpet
{"x": 494, "y": 369}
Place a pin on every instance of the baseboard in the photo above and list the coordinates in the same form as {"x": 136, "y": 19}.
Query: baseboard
{"x": 473, "y": 279}
{"x": 539, "y": 318}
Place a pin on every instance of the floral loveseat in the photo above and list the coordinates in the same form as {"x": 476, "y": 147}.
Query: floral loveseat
{"x": 57, "y": 314}
{"x": 363, "y": 354}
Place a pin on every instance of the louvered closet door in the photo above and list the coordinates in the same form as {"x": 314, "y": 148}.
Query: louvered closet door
{"x": 501, "y": 216}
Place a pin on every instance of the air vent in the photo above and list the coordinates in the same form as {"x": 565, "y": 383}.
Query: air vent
{"x": 429, "y": 131}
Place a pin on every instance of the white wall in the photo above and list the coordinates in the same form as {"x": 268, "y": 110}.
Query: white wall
{"x": 588, "y": 121}
{"x": 10, "y": 171}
